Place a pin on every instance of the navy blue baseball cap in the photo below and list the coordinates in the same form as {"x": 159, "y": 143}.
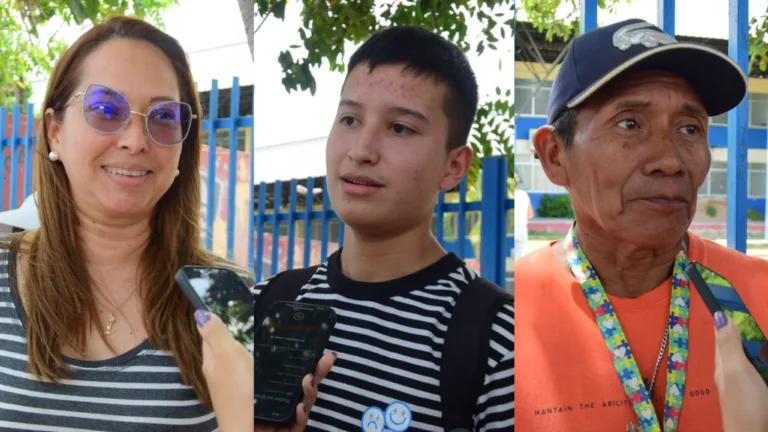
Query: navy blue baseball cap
{"x": 601, "y": 55}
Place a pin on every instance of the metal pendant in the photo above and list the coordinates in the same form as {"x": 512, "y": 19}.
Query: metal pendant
{"x": 634, "y": 427}
{"x": 112, "y": 320}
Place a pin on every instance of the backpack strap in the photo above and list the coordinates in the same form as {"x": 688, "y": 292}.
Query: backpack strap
{"x": 284, "y": 286}
{"x": 466, "y": 350}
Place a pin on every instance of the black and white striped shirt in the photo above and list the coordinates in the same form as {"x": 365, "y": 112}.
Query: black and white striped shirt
{"x": 389, "y": 340}
{"x": 140, "y": 390}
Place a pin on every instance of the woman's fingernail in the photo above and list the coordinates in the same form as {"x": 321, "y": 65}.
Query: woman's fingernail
{"x": 202, "y": 316}
{"x": 720, "y": 320}
{"x": 335, "y": 355}
{"x": 305, "y": 408}
{"x": 314, "y": 384}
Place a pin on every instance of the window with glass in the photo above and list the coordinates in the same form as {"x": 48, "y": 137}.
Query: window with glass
{"x": 529, "y": 100}
{"x": 719, "y": 120}
{"x": 533, "y": 177}
{"x": 758, "y": 110}
{"x": 756, "y": 180}
{"x": 716, "y": 183}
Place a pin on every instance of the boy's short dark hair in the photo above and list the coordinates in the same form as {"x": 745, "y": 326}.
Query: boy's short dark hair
{"x": 422, "y": 52}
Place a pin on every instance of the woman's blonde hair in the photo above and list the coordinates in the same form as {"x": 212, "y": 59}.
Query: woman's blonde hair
{"x": 61, "y": 306}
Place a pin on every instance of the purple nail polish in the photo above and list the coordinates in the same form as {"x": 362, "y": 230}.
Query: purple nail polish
{"x": 720, "y": 320}
{"x": 202, "y": 316}
{"x": 314, "y": 384}
{"x": 305, "y": 408}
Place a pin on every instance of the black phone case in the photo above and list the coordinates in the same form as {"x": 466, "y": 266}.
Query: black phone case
{"x": 701, "y": 286}
{"x": 711, "y": 301}
{"x": 181, "y": 279}
{"x": 318, "y": 355}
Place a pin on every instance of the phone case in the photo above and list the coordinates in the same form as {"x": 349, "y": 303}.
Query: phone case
{"x": 189, "y": 291}
{"x": 318, "y": 355}
{"x": 719, "y": 295}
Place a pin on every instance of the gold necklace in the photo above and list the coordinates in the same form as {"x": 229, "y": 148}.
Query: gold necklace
{"x": 115, "y": 309}
{"x": 112, "y": 318}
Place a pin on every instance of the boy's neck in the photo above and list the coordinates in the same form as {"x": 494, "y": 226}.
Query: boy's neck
{"x": 364, "y": 259}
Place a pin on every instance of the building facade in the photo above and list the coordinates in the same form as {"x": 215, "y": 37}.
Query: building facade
{"x": 536, "y": 67}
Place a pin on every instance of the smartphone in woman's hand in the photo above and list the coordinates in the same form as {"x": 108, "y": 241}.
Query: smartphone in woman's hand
{"x": 223, "y": 292}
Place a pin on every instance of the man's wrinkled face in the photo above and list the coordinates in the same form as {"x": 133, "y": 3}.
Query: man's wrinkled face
{"x": 639, "y": 155}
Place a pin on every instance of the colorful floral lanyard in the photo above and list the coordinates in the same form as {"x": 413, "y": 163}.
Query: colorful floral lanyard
{"x": 617, "y": 344}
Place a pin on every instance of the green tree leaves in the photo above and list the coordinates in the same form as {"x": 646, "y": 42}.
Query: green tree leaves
{"x": 25, "y": 52}
{"x": 327, "y": 25}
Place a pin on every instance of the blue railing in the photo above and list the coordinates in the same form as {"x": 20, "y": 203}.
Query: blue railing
{"x": 13, "y": 145}
{"x": 20, "y": 141}
{"x": 494, "y": 246}
{"x": 232, "y": 124}
{"x": 494, "y": 242}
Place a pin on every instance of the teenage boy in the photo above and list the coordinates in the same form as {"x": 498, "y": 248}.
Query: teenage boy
{"x": 422, "y": 342}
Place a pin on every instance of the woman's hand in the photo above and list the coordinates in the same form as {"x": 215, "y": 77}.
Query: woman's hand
{"x": 743, "y": 393}
{"x": 228, "y": 370}
{"x": 310, "y": 385}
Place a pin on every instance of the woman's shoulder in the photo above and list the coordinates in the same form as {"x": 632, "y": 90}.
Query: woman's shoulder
{"x": 16, "y": 240}
{"x": 13, "y": 242}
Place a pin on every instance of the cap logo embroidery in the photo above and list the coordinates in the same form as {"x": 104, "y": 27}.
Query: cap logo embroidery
{"x": 641, "y": 33}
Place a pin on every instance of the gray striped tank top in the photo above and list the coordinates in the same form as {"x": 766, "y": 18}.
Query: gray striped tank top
{"x": 140, "y": 390}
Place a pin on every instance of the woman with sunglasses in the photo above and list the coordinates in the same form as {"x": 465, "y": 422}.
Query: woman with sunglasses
{"x": 94, "y": 332}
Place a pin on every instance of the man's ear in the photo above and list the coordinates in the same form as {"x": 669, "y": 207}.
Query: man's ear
{"x": 53, "y": 128}
{"x": 550, "y": 149}
{"x": 459, "y": 162}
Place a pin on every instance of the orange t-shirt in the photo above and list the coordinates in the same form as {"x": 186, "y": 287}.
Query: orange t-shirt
{"x": 565, "y": 378}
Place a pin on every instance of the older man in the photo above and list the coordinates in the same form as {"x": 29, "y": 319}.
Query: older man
{"x": 627, "y": 136}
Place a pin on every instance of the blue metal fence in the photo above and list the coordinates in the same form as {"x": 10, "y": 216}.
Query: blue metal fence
{"x": 232, "y": 123}
{"x": 495, "y": 242}
{"x": 16, "y": 141}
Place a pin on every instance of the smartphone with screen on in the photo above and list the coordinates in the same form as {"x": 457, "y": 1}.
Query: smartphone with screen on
{"x": 719, "y": 295}
{"x": 223, "y": 292}
{"x": 288, "y": 344}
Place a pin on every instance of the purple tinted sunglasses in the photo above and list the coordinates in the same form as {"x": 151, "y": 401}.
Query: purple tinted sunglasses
{"x": 107, "y": 111}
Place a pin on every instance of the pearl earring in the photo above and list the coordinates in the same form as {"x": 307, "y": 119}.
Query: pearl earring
{"x": 53, "y": 156}
{"x": 177, "y": 173}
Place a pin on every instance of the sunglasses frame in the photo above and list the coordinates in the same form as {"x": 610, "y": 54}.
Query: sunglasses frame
{"x": 130, "y": 114}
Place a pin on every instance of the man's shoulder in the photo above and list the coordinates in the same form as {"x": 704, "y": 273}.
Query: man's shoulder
{"x": 719, "y": 257}
{"x": 745, "y": 272}
{"x": 537, "y": 264}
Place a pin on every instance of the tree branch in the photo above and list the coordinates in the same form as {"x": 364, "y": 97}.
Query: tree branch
{"x": 434, "y": 18}
{"x": 262, "y": 21}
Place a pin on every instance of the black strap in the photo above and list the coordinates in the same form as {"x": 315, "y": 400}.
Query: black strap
{"x": 284, "y": 286}
{"x": 466, "y": 350}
